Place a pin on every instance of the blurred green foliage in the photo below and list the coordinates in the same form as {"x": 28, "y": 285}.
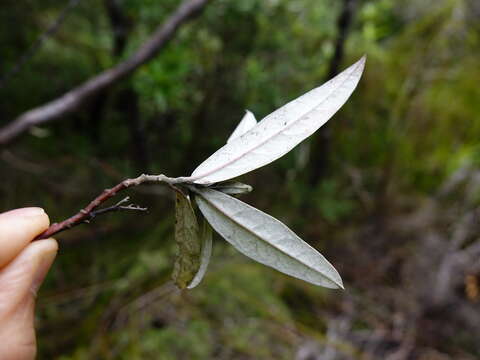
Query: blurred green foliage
{"x": 412, "y": 122}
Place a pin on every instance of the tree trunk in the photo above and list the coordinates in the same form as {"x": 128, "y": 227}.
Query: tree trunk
{"x": 320, "y": 146}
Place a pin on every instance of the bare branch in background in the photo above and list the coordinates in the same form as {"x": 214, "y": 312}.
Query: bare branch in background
{"x": 75, "y": 98}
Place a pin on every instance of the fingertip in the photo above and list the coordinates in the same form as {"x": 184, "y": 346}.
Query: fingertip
{"x": 44, "y": 247}
{"x": 19, "y": 283}
{"x": 45, "y": 251}
{"x": 34, "y": 217}
{"x": 32, "y": 211}
{"x": 19, "y": 227}
{"x": 49, "y": 244}
{"x": 26, "y": 272}
{"x": 37, "y": 215}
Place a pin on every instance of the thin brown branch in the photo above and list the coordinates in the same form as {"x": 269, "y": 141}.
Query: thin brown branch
{"x": 90, "y": 211}
{"x": 93, "y": 214}
{"x": 75, "y": 98}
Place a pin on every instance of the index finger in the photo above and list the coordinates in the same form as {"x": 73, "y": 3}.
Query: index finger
{"x": 18, "y": 228}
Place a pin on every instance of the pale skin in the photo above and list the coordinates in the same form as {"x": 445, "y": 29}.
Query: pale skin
{"x": 23, "y": 267}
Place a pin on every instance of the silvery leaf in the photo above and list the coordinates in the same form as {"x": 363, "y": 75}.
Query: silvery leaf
{"x": 232, "y": 187}
{"x": 265, "y": 239}
{"x": 206, "y": 253}
{"x": 187, "y": 238}
{"x": 280, "y": 131}
{"x": 248, "y": 121}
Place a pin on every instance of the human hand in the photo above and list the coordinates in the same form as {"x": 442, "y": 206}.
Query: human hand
{"x": 23, "y": 267}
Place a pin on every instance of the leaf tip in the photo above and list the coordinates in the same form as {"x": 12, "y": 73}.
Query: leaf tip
{"x": 361, "y": 63}
{"x": 336, "y": 281}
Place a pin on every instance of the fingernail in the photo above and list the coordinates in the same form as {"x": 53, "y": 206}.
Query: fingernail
{"x": 44, "y": 265}
{"x": 25, "y": 212}
{"x": 31, "y": 212}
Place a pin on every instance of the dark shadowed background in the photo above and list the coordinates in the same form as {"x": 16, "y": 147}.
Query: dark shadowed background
{"x": 388, "y": 191}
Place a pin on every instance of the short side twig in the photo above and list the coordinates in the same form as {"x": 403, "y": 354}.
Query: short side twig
{"x": 90, "y": 211}
{"x": 117, "y": 207}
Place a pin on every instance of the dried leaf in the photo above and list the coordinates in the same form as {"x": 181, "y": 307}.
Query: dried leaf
{"x": 280, "y": 131}
{"x": 232, "y": 187}
{"x": 265, "y": 239}
{"x": 206, "y": 241}
{"x": 248, "y": 121}
{"x": 187, "y": 237}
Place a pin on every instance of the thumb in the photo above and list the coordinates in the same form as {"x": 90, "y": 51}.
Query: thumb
{"x": 19, "y": 283}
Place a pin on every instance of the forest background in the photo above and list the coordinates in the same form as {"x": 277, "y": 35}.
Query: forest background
{"x": 388, "y": 190}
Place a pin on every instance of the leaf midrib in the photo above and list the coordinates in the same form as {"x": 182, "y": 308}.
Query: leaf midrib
{"x": 279, "y": 131}
{"x": 272, "y": 245}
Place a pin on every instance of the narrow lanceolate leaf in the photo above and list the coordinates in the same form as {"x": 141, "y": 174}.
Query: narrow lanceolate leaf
{"x": 187, "y": 237}
{"x": 206, "y": 241}
{"x": 280, "y": 131}
{"x": 265, "y": 239}
{"x": 248, "y": 121}
{"x": 232, "y": 187}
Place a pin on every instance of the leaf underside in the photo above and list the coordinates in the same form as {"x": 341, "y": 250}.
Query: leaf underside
{"x": 279, "y": 132}
{"x": 248, "y": 121}
{"x": 252, "y": 232}
{"x": 265, "y": 239}
{"x": 232, "y": 187}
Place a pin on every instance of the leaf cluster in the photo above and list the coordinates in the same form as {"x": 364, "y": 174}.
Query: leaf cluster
{"x": 251, "y": 231}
